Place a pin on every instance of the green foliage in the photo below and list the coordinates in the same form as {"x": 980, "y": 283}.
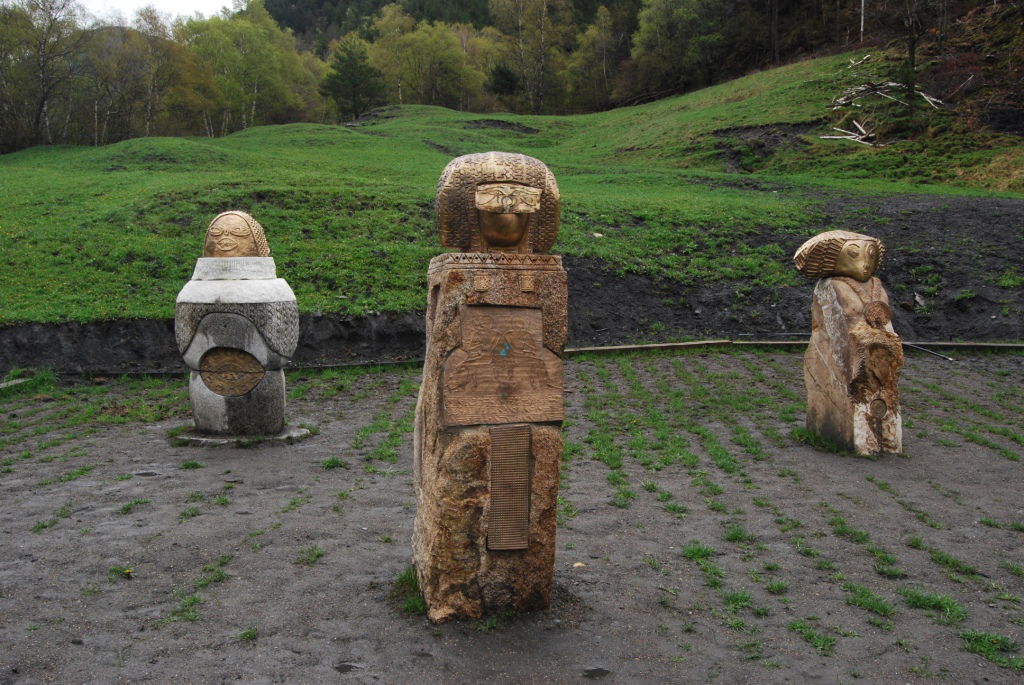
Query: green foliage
{"x": 349, "y": 215}
{"x": 351, "y": 82}
{"x": 818, "y": 442}
{"x": 120, "y": 573}
{"x": 42, "y": 381}
{"x": 406, "y": 590}
{"x": 864, "y": 598}
{"x": 696, "y": 551}
{"x": 946, "y": 609}
{"x": 823, "y": 643}
{"x": 128, "y": 507}
{"x": 309, "y": 555}
{"x": 994, "y": 647}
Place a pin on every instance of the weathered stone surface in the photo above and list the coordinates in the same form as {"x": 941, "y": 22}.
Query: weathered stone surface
{"x": 236, "y": 325}
{"x": 853, "y": 361}
{"x": 487, "y": 441}
{"x": 194, "y": 438}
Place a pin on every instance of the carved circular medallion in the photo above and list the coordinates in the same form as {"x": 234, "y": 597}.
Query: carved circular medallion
{"x": 230, "y": 372}
{"x": 877, "y": 314}
{"x": 878, "y": 408}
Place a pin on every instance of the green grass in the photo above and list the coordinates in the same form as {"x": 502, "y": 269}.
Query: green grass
{"x": 864, "y": 598}
{"x": 406, "y": 591}
{"x": 349, "y": 215}
{"x": 943, "y": 608}
{"x": 996, "y": 648}
{"x": 309, "y": 555}
{"x": 128, "y": 507}
{"x": 823, "y": 643}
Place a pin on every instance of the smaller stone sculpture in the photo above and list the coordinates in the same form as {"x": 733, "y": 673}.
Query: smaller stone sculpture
{"x": 853, "y": 361}
{"x": 236, "y": 326}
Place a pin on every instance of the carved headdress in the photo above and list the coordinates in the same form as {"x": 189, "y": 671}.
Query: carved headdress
{"x": 817, "y": 257}
{"x": 235, "y": 220}
{"x": 500, "y": 182}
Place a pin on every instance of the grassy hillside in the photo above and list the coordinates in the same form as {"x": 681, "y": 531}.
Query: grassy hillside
{"x": 113, "y": 232}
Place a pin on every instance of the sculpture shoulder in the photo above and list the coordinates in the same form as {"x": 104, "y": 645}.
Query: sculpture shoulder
{"x": 277, "y": 322}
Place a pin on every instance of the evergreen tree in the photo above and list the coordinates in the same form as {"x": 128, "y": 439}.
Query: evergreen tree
{"x": 351, "y": 81}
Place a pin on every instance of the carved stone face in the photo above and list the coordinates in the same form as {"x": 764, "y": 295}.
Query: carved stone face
{"x": 504, "y": 211}
{"x": 503, "y": 230}
{"x": 230, "y": 236}
{"x": 858, "y": 259}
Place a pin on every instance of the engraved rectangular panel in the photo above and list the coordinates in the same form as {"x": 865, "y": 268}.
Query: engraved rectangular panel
{"x": 502, "y": 373}
{"x": 508, "y": 519}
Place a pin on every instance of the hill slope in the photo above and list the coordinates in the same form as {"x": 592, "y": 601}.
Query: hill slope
{"x": 111, "y": 233}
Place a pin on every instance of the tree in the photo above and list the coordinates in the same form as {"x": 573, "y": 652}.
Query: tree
{"x": 592, "y": 65}
{"x": 539, "y": 32}
{"x": 422, "y": 63}
{"x": 41, "y": 39}
{"x": 351, "y": 82}
{"x": 256, "y": 66}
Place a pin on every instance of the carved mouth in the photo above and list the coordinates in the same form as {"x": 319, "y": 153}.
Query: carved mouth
{"x": 226, "y": 244}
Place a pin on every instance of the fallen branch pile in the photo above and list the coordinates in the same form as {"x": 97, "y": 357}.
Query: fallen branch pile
{"x": 849, "y": 97}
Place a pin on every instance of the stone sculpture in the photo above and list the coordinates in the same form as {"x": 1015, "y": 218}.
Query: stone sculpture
{"x": 236, "y": 326}
{"x": 852, "y": 364}
{"x": 487, "y": 441}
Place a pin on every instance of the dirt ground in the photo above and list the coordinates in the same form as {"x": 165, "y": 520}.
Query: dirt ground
{"x": 700, "y": 538}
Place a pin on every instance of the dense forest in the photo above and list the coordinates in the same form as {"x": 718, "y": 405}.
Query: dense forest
{"x": 65, "y": 78}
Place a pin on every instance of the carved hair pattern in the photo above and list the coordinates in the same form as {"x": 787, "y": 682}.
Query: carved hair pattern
{"x": 816, "y": 258}
{"x": 262, "y": 247}
{"x": 456, "y": 206}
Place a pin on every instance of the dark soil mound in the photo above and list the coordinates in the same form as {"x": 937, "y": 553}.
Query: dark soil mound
{"x": 498, "y": 123}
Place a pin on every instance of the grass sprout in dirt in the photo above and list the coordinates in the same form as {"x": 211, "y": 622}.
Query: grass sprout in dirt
{"x": 701, "y": 538}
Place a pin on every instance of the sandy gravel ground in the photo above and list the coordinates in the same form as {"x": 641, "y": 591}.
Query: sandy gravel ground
{"x": 701, "y": 539}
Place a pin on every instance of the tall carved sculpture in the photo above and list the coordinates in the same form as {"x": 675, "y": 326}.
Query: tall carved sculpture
{"x": 236, "y": 326}
{"x": 487, "y": 442}
{"x": 852, "y": 365}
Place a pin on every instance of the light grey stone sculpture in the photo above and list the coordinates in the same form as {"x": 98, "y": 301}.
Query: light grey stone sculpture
{"x": 236, "y": 326}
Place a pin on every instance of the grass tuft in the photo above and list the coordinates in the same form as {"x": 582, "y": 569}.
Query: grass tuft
{"x": 406, "y": 590}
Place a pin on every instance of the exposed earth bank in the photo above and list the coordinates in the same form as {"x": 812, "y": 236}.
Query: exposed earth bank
{"x": 953, "y": 270}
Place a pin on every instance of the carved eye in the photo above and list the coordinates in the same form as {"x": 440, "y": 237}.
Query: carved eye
{"x": 216, "y": 232}
{"x": 240, "y": 232}
{"x": 853, "y": 251}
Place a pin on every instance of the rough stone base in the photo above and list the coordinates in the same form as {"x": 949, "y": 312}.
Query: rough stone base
{"x": 193, "y": 438}
{"x": 258, "y": 412}
{"x": 459, "y": 576}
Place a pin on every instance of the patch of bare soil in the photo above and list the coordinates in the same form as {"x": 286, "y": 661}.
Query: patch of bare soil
{"x": 699, "y": 539}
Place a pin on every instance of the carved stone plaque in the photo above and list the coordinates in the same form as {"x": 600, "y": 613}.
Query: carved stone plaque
{"x": 230, "y": 372}
{"x": 508, "y": 519}
{"x": 502, "y": 373}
